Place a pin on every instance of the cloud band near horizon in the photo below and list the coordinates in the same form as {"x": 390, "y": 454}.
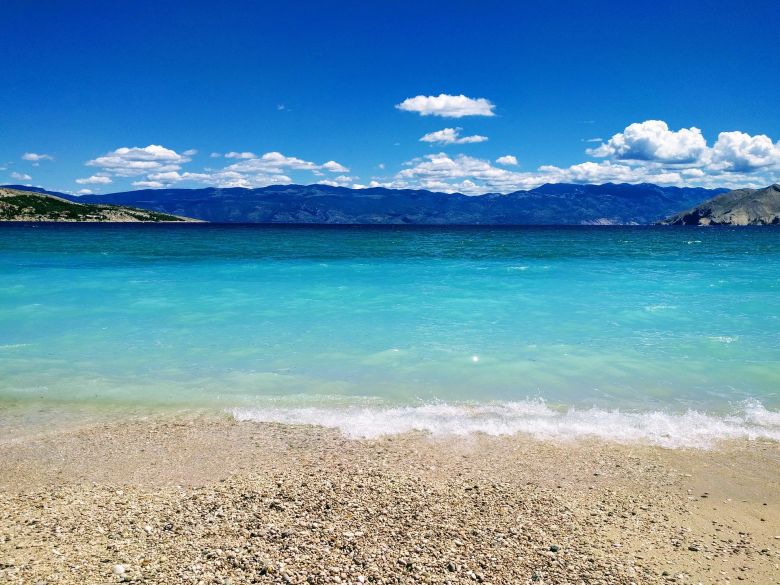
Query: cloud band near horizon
{"x": 643, "y": 152}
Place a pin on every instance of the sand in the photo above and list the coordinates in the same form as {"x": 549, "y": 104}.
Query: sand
{"x": 204, "y": 499}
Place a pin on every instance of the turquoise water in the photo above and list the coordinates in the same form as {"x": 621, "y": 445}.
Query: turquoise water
{"x": 635, "y": 333}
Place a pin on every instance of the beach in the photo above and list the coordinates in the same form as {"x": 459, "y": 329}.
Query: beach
{"x": 202, "y": 498}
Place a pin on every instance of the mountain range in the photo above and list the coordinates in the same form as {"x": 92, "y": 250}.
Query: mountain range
{"x": 551, "y": 204}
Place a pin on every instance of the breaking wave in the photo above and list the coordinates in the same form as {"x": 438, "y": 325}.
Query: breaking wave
{"x": 673, "y": 430}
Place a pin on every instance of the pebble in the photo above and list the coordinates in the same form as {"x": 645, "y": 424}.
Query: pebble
{"x": 382, "y": 513}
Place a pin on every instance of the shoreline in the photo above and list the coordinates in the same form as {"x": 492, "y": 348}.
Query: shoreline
{"x": 534, "y": 419}
{"x": 203, "y": 498}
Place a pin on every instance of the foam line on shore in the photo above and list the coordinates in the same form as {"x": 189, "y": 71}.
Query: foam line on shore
{"x": 673, "y": 430}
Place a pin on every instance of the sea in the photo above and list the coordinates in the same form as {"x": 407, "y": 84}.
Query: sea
{"x": 661, "y": 335}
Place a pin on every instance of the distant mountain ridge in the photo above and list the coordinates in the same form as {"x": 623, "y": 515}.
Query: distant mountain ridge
{"x": 551, "y": 204}
{"x": 739, "y": 207}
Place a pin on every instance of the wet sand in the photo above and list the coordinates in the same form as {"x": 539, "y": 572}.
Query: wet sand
{"x": 204, "y": 499}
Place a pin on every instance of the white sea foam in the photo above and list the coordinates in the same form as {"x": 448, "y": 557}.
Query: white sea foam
{"x": 724, "y": 339}
{"x": 534, "y": 418}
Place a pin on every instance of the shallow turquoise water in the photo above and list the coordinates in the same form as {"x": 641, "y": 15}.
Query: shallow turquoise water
{"x": 545, "y": 330}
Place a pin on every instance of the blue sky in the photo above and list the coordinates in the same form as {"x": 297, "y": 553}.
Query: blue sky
{"x": 110, "y": 96}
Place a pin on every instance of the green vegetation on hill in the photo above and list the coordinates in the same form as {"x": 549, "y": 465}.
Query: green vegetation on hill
{"x": 18, "y": 205}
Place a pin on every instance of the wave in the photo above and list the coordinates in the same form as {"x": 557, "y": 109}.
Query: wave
{"x": 691, "y": 429}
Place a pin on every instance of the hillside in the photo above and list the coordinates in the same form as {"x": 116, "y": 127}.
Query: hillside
{"x": 558, "y": 204}
{"x": 740, "y": 207}
{"x": 20, "y": 205}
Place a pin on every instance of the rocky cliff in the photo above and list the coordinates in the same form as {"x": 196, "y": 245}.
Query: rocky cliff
{"x": 740, "y": 207}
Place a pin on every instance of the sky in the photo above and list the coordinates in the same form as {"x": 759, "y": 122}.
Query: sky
{"x": 470, "y": 97}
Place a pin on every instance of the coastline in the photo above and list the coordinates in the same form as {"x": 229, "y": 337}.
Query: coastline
{"x": 203, "y": 498}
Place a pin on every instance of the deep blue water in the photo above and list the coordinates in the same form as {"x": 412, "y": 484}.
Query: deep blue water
{"x": 547, "y": 330}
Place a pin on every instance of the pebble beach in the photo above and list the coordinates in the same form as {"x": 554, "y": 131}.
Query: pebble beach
{"x": 204, "y": 499}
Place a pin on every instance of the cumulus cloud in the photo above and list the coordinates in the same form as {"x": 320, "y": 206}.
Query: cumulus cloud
{"x": 176, "y": 176}
{"x": 447, "y": 106}
{"x": 646, "y": 152}
{"x": 653, "y": 141}
{"x": 474, "y": 176}
{"x": 95, "y": 180}
{"x": 607, "y": 172}
{"x": 466, "y": 174}
{"x": 240, "y": 155}
{"x": 741, "y": 152}
{"x": 230, "y": 178}
{"x": 84, "y": 192}
{"x": 35, "y": 157}
{"x": 129, "y": 162}
{"x": 148, "y": 184}
{"x": 451, "y": 136}
{"x": 273, "y": 162}
{"x": 340, "y": 181}
{"x": 272, "y": 168}
{"x": 157, "y": 166}
{"x": 21, "y": 176}
{"x": 335, "y": 167}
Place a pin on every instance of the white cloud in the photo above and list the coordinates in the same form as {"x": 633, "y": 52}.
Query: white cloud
{"x": 130, "y": 162}
{"x": 736, "y": 160}
{"x": 447, "y": 106}
{"x": 272, "y": 168}
{"x": 451, "y": 136}
{"x": 84, "y": 192}
{"x": 169, "y": 177}
{"x": 740, "y": 152}
{"x": 21, "y": 176}
{"x": 95, "y": 180}
{"x": 35, "y": 157}
{"x": 230, "y": 178}
{"x": 473, "y": 176}
{"x": 440, "y": 172}
{"x": 643, "y": 152}
{"x": 653, "y": 141}
{"x": 335, "y": 167}
{"x": 241, "y": 155}
{"x": 607, "y": 172}
{"x": 340, "y": 181}
{"x": 157, "y": 166}
{"x": 271, "y": 163}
